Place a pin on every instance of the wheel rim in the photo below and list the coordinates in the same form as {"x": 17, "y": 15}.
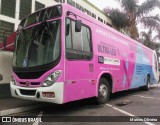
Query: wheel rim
{"x": 148, "y": 84}
{"x": 103, "y": 91}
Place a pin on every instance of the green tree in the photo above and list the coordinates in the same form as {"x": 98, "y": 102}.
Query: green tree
{"x": 132, "y": 14}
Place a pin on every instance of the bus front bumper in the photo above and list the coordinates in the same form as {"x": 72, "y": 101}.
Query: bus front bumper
{"x": 52, "y": 94}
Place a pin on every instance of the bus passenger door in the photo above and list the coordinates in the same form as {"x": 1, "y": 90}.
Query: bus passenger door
{"x": 79, "y": 73}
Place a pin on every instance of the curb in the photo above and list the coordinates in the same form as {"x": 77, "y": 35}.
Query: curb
{"x": 20, "y": 109}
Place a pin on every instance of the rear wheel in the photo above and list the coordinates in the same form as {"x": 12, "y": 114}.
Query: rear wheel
{"x": 148, "y": 85}
{"x": 103, "y": 91}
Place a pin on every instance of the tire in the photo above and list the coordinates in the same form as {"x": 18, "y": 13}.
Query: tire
{"x": 148, "y": 85}
{"x": 104, "y": 91}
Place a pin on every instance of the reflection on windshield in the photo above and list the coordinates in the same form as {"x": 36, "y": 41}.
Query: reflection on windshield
{"x": 38, "y": 45}
{"x": 42, "y": 15}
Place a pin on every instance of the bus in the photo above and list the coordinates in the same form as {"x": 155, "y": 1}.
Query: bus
{"x": 63, "y": 55}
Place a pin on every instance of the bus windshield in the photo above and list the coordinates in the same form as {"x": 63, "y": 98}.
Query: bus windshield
{"x": 37, "y": 45}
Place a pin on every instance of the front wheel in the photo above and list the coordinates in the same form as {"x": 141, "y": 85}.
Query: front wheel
{"x": 103, "y": 91}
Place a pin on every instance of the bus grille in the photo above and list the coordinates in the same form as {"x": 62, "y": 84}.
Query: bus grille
{"x": 32, "y": 83}
{"x": 30, "y": 75}
{"x": 27, "y": 92}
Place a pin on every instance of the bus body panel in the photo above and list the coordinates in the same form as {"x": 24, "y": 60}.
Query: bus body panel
{"x": 79, "y": 75}
{"x": 125, "y": 60}
{"x": 129, "y": 62}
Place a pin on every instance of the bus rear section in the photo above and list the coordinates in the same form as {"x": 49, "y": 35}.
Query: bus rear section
{"x": 131, "y": 64}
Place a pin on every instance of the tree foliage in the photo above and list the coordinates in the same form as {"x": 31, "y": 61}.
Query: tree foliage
{"x": 132, "y": 13}
{"x": 149, "y": 41}
{"x": 118, "y": 18}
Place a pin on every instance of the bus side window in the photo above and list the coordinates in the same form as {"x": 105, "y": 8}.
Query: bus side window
{"x": 78, "y": 44}
{"x": 67, "y": 29}
{"x": 68, "y": 35}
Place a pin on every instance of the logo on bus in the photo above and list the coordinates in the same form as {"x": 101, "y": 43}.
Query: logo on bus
{"x": 27, "y": 83}
{"x": 101, "y": 59}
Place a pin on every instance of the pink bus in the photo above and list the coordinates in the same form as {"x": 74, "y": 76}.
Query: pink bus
{"x": 62, "y": 55}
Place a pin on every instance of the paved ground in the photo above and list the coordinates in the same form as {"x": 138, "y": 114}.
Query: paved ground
{"x": 10, "y": 103}
{"x": 133, "y": 104}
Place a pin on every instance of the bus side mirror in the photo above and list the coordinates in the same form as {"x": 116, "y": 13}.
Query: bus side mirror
{"x": 78, "y": 26}
{"x": 1, "y": 77}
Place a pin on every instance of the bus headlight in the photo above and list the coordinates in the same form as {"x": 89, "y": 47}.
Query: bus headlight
{"x": 13, "y": 81}
{"x": 51, "y": 78}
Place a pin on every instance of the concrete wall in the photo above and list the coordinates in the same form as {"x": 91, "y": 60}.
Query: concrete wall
{"x": 6, "y": 66}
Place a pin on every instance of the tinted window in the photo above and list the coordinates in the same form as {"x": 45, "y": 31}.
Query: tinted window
{"x": 86, "y": 39}
{"x": 25, "y": 8}
{"x": 39, "y": 6}
{"x": 6, "y": 29}
{"x": 38, "y": 45}
{"x": 78, "y": 44}
{"x": 8, "y": 7}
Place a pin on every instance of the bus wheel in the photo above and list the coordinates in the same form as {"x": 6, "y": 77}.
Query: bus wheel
{"x": 103, "y": 91}
{"x": 148, "y": 85}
